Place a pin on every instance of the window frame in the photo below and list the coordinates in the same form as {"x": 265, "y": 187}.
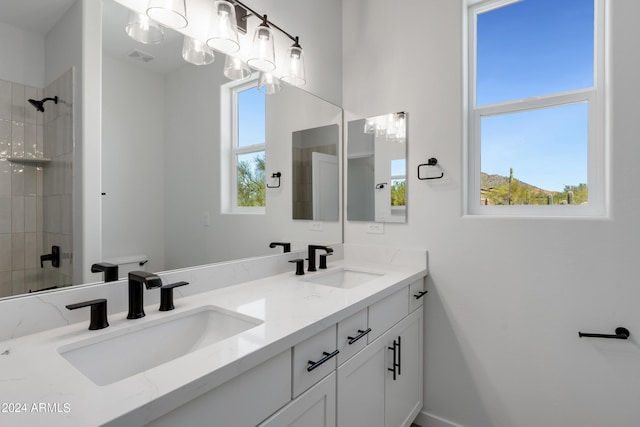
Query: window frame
{"x": 473, "y": 114}
{"x": 230, "y": 155}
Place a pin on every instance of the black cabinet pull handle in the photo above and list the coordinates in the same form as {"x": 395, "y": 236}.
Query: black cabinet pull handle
{"x": 361, "y": 334}
{"x": 327, "y": 356}
{"x": 621, "y": 334}
{"x": 420, "y": 294}
{"x": 395, "y": 363}
{"x": 399, "y": 356}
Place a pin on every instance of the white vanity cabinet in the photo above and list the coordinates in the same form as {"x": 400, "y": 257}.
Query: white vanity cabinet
{"x": 382, "y": 385}
{"x": 316, "y": 407}
{"x": 366, "y": 370}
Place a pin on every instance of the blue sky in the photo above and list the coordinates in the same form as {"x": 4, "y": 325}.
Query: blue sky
{"x": 251, "y": 117}
{"x": 534, "y": 48}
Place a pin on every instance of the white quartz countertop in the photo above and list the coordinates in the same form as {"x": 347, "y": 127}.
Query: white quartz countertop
{"x": 40, "y": 387}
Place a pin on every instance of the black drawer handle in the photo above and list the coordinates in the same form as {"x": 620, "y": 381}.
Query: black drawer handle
{"x": 361, "y": 334}
{"x": 326, "y": 357}
{"x": 420, "y": 294}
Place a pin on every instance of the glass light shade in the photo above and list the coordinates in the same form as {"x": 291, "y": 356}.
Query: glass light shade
{"x": 392, "y": 127}
{"x": 381, "y": 125}
{"x": 401, "y": 123}
{"x": 236, "y": 68}
{"x": 268, "y": 84}
{"x": 224, "y": 30}
{"x": 142, "y": 29}
{"x": 263, "y": 50}
{"x": 170, "y": 13}
{"x": 370, "y": 125}
{"x": 295, "y": 73}
{"x": 196, "y": 52}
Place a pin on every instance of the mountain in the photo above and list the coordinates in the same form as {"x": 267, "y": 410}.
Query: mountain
{"x": 488, "y": 182}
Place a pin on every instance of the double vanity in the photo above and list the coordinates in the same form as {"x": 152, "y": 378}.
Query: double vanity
{"x": 339, "y": 346}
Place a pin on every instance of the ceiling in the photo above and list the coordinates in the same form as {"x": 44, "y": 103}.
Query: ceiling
{"x": 36, "y": 16}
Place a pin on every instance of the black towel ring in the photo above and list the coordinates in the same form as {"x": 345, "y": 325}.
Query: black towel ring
{"x": 431, "y": 162}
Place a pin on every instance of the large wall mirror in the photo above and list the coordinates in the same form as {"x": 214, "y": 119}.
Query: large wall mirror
{"x": 377, "y": 169}
{"x": 166, "y": 165}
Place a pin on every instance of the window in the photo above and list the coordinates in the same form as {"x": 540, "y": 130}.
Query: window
{"x": 535, "y": 107}
{"x": 243, "y": 108}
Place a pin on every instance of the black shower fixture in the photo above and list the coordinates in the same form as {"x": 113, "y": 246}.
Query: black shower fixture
{"x": 39, "y": 105}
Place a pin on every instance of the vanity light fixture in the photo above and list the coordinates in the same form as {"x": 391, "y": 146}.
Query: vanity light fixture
{"x": 170, "y": 13}
{"x": 142, "y": 29}
{"x": 390, "y": 126}
{"x": 263, "y": 48}
{"x": 295, "y": 72}
{"x": 196, "y": 52}
{"x": 236, "y": 69}
{"x": 269, "y": 84}
{"x": 223, "y": 28}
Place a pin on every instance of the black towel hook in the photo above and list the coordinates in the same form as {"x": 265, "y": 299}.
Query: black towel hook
{"x": 431, "y": 162}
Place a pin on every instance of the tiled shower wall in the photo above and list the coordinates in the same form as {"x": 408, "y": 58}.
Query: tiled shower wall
{"x": 58, "y": 179}
{"x": 31, "y": 196}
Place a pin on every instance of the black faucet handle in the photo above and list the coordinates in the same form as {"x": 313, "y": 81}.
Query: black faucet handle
{"x": 98, "y": 312}
{"x": 299, "y": 266}
{"x": 110, "y": 270}
{"x": 323, "y": 260}
{"x": 166, "y": 295}
{"x": 286, "y": 246}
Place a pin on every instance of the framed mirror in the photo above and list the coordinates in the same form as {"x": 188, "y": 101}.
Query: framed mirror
{"x": 377, "y": 169}
{"x": 164, "y": 171}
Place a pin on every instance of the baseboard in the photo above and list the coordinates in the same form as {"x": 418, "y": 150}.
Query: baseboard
{"x": 424, "y": 419}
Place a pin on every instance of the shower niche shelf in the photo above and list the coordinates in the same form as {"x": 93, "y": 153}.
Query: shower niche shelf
{"x": 29, "y": 161}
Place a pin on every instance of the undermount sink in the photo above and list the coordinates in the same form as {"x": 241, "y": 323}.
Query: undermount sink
{"x": 112, "y": 357}
{"x": 345, "y": 278}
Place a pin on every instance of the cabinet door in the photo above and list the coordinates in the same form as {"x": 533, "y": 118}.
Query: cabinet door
{"x": 361, "y": 384}
{"x": 403, "y": 395}
{"x": 314, "y": 408}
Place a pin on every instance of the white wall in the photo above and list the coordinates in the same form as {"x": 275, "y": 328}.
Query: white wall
{"x": 22, "y": 56}
{"x": 506, "y": 296}
{"x": 133, "y": 162}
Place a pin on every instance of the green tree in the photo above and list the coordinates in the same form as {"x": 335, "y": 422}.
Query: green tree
{"x": 398, "y": 193}
{"x": 251, "y": 182}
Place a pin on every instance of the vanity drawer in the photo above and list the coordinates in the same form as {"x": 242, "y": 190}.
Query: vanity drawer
{"x": 386, "y": 313}
{"x": 352, "y": 335}
{"x": 262, "y": 391}
{"x": 320, "y": 349}
{"x": 416, "y": 294}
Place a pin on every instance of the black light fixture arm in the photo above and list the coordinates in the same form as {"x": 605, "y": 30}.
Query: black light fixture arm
{"x": 265, "y": 20}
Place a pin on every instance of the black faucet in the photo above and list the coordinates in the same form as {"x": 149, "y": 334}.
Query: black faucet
{"x": 312, "y": 255}
{"x": 285, "y": 246}
{"x": 54, "y": 257}
{"x": 110, "y": 271}
{"x": 136, "y": 279}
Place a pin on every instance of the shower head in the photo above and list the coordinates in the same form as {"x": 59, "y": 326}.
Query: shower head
{"x": 39, "y": 105}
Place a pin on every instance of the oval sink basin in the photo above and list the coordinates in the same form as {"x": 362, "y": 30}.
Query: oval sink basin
{"x": 112, "y": 357}
{"x": 344, "y": 278}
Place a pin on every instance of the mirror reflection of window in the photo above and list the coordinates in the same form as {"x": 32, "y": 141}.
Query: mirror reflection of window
{"x": 249, "y": 147}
